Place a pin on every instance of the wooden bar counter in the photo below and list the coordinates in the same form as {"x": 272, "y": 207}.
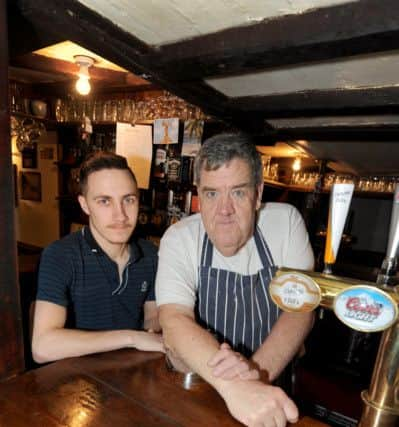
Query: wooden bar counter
{"x": 115, "y": 389}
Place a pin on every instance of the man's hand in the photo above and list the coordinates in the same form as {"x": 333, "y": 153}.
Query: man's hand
{"x": 259, "y": 405}
{"x": 147, "y": 341}
{"x": 228, "y": 365}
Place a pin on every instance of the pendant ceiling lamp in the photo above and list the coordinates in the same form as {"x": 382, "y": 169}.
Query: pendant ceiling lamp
{"x": 83, "y": 83}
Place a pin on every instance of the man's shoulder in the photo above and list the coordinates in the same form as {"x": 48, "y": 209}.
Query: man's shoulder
{"x": 66, "y": 244}
{"x": 274, "y": 215}
{"x": 191, "y": 224}
{"x": 184, "y": 237}
{"x": 276, "y": 209}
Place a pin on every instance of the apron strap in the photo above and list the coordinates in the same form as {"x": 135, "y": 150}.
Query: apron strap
{"x": 263, "y": 249}
{"x": 207, "y": 252}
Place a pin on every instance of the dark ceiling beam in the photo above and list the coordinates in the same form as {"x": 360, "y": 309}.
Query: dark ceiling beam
{"x": 98, "y": 89}
{"x": 75, "y": 22}
{"x": 334, "y": 32}
{"x": 23, "y": 36}
{"x": 321, "y": 102}
{"x": 337, "y": 134}
{"x": 133, "y": 80}
{"x": 45, "y": 64}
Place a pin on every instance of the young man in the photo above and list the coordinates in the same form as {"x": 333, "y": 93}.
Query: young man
{"x": 100, "y": 276}
{"x": 213, "y": 278}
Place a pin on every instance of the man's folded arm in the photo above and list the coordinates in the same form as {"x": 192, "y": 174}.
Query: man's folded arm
{"x": 52, "y": 341}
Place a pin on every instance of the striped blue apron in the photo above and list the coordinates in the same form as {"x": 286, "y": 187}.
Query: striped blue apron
{"x": 236, "y": 308}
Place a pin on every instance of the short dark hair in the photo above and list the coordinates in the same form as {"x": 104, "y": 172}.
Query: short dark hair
{"x": 221, "y": 149}
{"x": 98, "y": 161}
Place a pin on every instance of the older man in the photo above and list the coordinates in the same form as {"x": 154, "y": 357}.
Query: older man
{"x": 213, "y": 278}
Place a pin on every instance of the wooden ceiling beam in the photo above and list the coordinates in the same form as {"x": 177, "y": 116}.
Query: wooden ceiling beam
{"x": 23, "y": 36}
{"x": 323, "y": 34}
{"x": 338, "y": 135}
{"x": 321, "y": 102}
{"x": 70, "y": 69}
{"x": 98, "y": 90}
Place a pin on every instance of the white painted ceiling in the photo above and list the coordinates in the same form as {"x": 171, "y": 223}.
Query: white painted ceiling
{"x": 160, "y": 22}
{"x": 362, "y": 71}
{"x": 66, "y": 51}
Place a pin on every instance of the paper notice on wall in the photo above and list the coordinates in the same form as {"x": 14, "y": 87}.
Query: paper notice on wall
{"x": 135, "y": 143}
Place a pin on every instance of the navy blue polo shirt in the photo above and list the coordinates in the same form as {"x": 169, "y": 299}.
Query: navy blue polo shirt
{"x": 76, "y": 273}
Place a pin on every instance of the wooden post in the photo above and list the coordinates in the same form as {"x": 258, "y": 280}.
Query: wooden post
{"x": 11, "y": 342}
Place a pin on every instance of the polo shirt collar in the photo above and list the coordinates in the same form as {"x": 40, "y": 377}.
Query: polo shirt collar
{"x": 135, "y": 251}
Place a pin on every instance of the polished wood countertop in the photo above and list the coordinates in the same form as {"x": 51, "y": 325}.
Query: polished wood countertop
{"x": 114, "y": 389}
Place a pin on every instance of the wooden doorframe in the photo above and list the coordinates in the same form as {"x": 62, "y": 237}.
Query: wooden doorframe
{"x": 11, "y": 341}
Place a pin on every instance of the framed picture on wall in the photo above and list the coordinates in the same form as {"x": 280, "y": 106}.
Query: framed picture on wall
{"x": 29, "y": 157}
{"x": 31, "y": 186}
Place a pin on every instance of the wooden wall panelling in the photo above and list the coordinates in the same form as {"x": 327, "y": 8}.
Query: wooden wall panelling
{"x": 11, "y": 344}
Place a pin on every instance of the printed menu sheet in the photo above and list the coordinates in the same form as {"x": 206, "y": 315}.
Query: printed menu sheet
{"x": 135, "y": 143}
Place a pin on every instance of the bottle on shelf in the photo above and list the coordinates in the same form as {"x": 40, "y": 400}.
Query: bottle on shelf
{"x": 187, "y": 165}
{"x": 194, "y": 201}
{"x": 143, "y": 219}
{"x": 187, "y": 202}
{"x": 173, "y": 163}
{"x": 160, "y": 165}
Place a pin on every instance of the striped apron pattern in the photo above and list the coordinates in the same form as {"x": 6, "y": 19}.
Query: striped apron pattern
{"x": 236, "y": 308}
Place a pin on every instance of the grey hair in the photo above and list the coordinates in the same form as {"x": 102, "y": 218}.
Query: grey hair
{"x": 221, "y": 149}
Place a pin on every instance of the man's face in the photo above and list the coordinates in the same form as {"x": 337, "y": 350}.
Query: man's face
{"x": 228, "y": 204}
{"x": 111, "y": 201}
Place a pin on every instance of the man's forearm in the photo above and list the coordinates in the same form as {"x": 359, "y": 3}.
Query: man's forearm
{"x": 191, "y": 343}
{"x": 62, "y": 343}
{"x": 250, "y": 402}
{"x": 283, "y": 343}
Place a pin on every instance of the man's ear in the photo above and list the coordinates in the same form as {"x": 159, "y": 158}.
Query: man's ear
{"x": 83, "y": 204}
{"x": 259, "y": 193}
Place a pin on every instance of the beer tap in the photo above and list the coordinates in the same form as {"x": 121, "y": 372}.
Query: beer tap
{"x": 363, "y": 306}
{"x": 381, "y": 405}
{"x": 340, "y": 199}
{"x": 387, "y": 274}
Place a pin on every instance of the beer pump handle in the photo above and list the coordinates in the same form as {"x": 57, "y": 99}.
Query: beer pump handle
{"x": 387, "y": 274}
{"x": 340, "y": 199}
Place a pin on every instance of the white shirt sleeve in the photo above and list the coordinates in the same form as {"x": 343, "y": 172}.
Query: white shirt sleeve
{"x": 298, "y": 250}
{"x": 287, "y": 237}
{"x": 177, "y": 266}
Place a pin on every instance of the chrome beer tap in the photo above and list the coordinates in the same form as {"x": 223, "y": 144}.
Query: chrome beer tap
{"x": 363, "y": 306}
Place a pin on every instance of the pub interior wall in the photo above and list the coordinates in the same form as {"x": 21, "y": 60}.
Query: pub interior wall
{"x": 37, "y": 222}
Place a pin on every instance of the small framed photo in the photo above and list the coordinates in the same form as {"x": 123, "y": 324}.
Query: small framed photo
{"x": 29, "y": 158}
{"x": 31, "y": 186}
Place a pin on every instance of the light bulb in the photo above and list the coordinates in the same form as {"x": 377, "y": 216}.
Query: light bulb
{"x": 296, "y": 166}
{"x": 83, "y": 85}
